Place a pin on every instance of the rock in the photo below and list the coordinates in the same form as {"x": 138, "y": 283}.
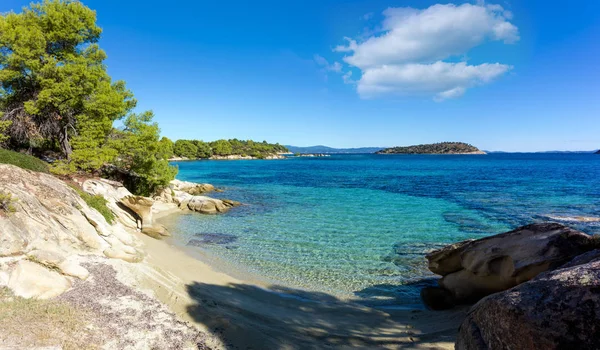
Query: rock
{"x": 31, "y": 280}
{"x": 474, "y": 269}
{"x": 585, "y": 258}
{"x": 47, "y": 258}
{"x": 556, "y": 310}
{"x": 191, "y": 187}
{"x": 142, "y": 207}
{"x": 156, "y": 231}
{"x": 207, "y": 205}
{"x": 115, "y": 253}
{"x": 72, "y": 268}
{"x": 211, "y": 238}
{"x": 230, "y": 203}
{"x": 113, "y": 192}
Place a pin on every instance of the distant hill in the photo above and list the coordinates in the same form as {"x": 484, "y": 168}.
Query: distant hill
{"x": 435, "y": 148}
{"x": 325, "y": 149}
{"x": 598, "y": 152}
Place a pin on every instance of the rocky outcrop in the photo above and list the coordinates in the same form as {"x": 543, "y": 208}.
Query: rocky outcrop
{"x": 187, "y": 195}
{"x": 191, "y": 187}
{"x": 203, "y": 204}
{"x": 142, "y": 207}
{"x": 50, "y": 225}
{"x": 556, "y": 310}
{"x": 476, "y": 268}
{"x": 241, "y": 157}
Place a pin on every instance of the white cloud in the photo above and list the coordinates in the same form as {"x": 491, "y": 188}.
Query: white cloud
{"x": 406, "y": 55}
{"x": 441, "y": 79}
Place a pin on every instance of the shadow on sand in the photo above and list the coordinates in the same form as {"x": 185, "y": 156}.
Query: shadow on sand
{"x": 248, "y": 317}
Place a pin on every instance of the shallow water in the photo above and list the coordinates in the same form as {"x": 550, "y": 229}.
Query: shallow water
{"x": 359, "y": 225}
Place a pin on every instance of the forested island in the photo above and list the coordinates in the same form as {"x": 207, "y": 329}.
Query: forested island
{"x": 434, "y": 148}
{"x": 227, "y": 149}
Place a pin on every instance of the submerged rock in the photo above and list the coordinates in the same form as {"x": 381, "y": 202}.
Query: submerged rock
{"x": 475, "y": 268}
{"x": 556, "y": 310}
{"x": 212, "y": 238}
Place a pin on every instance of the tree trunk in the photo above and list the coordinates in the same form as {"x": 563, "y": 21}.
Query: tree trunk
{"x": 65, "y": 145}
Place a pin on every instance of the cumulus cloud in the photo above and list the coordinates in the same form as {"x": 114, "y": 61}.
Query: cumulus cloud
{"x": 441, "y": 79}
{"x": 406, "y": 56}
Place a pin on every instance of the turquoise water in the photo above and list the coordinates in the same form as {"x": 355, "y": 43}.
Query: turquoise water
{"x": 359, "y": 225}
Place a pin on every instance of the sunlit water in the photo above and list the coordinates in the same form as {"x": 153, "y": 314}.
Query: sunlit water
{"x": 359, "y": 225}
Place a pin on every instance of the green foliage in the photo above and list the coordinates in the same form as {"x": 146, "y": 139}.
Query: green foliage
{"x": 22, "y": 161}
{"x": 53, "y": 81}
{"x": 185, "y": 148}
{"x": 166, "y": 148}
{"x": 434, "y": 148}
{"x": 6, "y": 202}
{"x": 221, "y": 147}
{"x": 200, "y": 149}
{"x": 97, "y": 202}
{"x": 204, "y": 150}
{"x": 141, "y": 153}
{"x": 4, "y": 125}
{"x": 55, "y": 93}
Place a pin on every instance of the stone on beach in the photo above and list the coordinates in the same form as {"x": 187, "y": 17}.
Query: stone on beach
{"x": 476, "y": 268}
{"x": 556, "y": 310}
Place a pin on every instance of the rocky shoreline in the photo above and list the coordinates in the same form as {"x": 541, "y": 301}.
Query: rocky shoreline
{"x": 536, "y": 287}
{"x": 53, "y": 246}
{"x": 231, "y": 157}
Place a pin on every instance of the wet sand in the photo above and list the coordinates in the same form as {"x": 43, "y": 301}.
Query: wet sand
{"x": 246, "y": 314}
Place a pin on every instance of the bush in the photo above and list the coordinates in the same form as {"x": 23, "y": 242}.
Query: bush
{"x": 6, "y": 201}
{"x": 23, "y": 161}
{"x": 97, "y": 202}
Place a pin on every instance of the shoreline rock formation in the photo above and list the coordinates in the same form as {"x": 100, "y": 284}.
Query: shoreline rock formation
{"x": 473, "y": 269}
{"x": 559, "y": 309}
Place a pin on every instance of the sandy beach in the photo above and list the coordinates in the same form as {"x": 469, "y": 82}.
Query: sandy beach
{"x": 247, "y": 315}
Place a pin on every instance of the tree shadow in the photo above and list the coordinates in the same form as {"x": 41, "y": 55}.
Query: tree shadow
{"x": 249, "y": 317}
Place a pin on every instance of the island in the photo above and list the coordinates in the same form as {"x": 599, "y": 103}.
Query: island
{"x": 434, "y": 148}
{"x": 597, "y": 152}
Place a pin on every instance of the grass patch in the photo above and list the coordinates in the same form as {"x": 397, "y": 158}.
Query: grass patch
{"x": 6, "y": 202}
{"x": 28, "y": 323}
{"x": 23, "y": 161}
{"x": 97, "y": 202}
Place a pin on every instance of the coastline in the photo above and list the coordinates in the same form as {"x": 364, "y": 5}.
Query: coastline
{"x": 228, "y": 308}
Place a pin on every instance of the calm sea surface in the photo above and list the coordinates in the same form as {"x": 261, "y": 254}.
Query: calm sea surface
{"x": 359, "y": 225}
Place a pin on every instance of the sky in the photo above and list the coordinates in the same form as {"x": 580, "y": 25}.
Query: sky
{"x": 504, "y": 76}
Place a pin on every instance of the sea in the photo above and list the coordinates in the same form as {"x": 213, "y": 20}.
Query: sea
{"x": 358, "y": 226}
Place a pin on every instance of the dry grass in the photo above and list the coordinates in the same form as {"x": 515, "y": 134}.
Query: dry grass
{"x": 30, "y": 323}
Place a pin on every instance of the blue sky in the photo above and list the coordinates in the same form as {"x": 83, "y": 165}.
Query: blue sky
{"x": 520, "y": 77}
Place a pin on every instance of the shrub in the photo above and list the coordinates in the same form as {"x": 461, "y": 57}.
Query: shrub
{"x": 6, "y": 201}
{"x": 97, "y": 202}
{"x": 23, "y": 161}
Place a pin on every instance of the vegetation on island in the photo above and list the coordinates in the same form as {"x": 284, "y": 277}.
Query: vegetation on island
{"x": 195, "y": 149}
{"x": 434, "y": 148}
{"x": 57, "y": 99}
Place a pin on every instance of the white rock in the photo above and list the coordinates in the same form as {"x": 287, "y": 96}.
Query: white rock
{"x": 31, "y": 280}
{"x": 72, "y": 268}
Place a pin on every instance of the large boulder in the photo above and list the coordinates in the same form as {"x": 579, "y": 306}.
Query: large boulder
{"x": 142, "y": 207}
{"x": 556, "y": 310}
{"x": 31, "y": 280}
{"x": 476, "y": 268}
